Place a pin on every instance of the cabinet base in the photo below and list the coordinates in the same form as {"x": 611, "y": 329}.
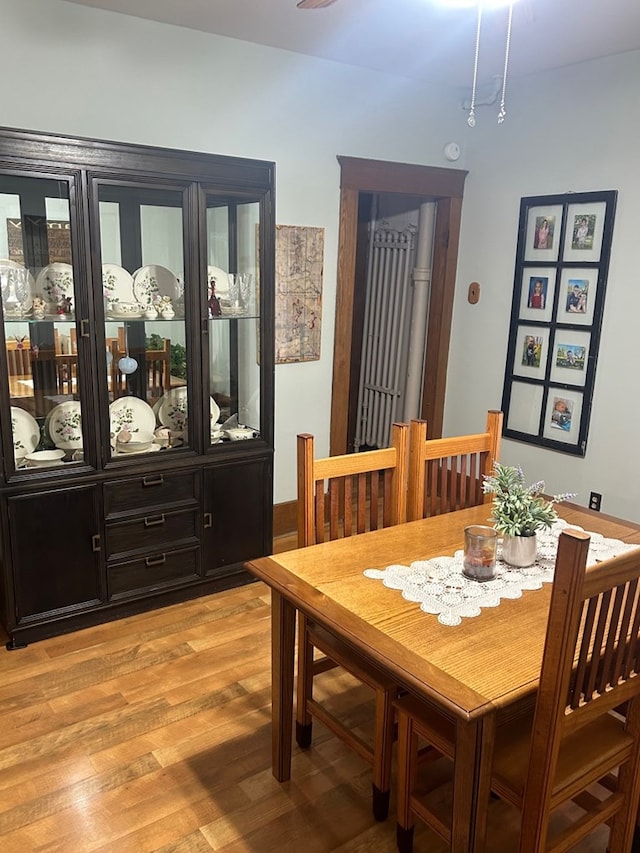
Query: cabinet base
{"x": 20, "y": 636}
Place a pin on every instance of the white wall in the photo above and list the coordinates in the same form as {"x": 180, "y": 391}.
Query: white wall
{"x": 571, "y": 130}
{"x": 88, "y": 72}
{"x": 82, "y": 71}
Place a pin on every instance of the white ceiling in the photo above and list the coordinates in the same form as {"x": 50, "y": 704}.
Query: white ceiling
{"x": 413, "y": 38}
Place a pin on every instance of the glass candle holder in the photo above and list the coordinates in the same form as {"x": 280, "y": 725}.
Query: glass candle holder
{"x": 480, "y": 545}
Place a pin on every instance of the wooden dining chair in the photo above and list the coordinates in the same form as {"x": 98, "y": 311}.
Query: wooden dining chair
{"x": 445, "y": 474}
{"x": 118, "y": 386}
{"x": 66, "y": 373}
{"x": 566, "y": 749}
{"x": 343, "y": 496}
{"x": 158, "y": 371}
{"x": 19, "y": 357}
{"x": 158, "y": 367}
{"x": 65, "y": 344}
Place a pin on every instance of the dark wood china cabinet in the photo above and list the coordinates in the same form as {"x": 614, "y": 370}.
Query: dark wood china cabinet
{"x": 136, "y": 377}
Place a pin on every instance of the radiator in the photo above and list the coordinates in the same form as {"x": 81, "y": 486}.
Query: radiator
{"x": 383, "y": 343}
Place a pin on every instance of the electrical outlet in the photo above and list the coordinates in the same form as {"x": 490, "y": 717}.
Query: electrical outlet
{"x": 595, "y": 499}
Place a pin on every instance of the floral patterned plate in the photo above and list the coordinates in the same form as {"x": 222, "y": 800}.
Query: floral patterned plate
{"x": 65, "y": 425}
{"x": 152, "y": 282}
{"x": 55, "y": 282}
{"x": 132, "y": 412}
{"x": 26, "y": 433}
{"x": 117, "y": 284}
{"x": 173, "y": 411}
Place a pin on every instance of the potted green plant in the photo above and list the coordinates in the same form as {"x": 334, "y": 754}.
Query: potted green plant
{"x": 519, "y": 511}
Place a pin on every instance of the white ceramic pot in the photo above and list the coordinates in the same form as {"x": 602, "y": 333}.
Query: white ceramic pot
{"x": 520, "y": 551}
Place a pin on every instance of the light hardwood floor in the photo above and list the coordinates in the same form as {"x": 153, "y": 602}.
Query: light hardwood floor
{"x": 152, "y": 733}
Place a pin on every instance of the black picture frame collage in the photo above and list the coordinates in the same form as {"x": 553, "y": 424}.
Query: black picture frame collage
{"x": 561, "y": 270}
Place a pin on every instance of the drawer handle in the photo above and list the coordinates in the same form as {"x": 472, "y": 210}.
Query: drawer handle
{"x": 95, "y": 543}
{"x": 208, "y": 521}
{"x": 150, "y": 521}
{"x": 153, "y": 481}
{"x": 156, "y": 561}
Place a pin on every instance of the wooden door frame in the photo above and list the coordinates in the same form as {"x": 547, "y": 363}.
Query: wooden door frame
{"x": 444, "y": 186}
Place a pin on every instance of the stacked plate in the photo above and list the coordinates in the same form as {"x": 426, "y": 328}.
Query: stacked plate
{"x": 55, "y": 283}
{"x": 133, "y": 414}
{"x": 152, "y": 282}
{"x": 117, "y": 284}
{"x": 26, "y": 433}
{"x": 172, "y": 411}
{"x": 64, "y": 424}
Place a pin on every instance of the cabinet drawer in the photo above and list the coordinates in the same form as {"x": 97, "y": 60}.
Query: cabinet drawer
{"x": 154, "y": 572}
{"x": 153, "y": 489}
{"x": 153, "y": 532}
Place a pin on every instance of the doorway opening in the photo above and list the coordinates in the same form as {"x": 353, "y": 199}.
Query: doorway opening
{"x": 396, "y": 283}
{"x": 364, "y": 183}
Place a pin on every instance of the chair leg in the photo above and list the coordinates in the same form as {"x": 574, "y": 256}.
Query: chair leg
{"x": 625, "y": 834}
{"x": 383, "y": 752}
{"x": 407, "y": 768}
{"x": 380, "y": 802}
{"x": 305, "y": 685}
{"x": 404, "y": 839}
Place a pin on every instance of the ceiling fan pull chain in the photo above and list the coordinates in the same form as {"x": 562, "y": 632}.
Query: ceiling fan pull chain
{"x": 471, "y": 120}
{"x": 502, "y": 113}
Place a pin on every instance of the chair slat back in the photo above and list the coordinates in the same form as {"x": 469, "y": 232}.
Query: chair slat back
{"x": 353, "y": 493}
{"x": 158, "y": 363}
{"x": 66, "y": 373}
{"x": 608, "y": 644}
{"x": 590, "y": 663}
{"x": 118, "y": 379}
{"x": 445, "y": 474}
{"x": 19, "y": 358}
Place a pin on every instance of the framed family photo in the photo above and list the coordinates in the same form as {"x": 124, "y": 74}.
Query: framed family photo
{"x": 562, "y": 263}
{"x": 537, "y": 291}
{"x": 586, "y": 228}
{"x": 543, "y": 233}
{"x": 531, "y": 352}
{"x": 578, "y": 289}
{"x": 570, "y": 356}
{"x": 563, "y": 415}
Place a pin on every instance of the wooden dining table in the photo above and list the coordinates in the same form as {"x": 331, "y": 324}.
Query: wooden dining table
{"x": 470, "y": 672}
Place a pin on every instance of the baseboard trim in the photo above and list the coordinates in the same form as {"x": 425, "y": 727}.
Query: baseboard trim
{"x": 285, "y": 518}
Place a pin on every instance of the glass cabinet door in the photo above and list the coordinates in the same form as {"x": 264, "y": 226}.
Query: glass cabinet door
{"x": 39, "y": 317}
{"x": 142, "y": 255}
{"x": 233, "y": 312}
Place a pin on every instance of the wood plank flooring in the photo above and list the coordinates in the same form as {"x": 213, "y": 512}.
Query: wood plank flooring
{"x": 152, "y": 733}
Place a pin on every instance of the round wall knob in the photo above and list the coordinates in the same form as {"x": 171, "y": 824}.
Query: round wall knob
{"x": 452, "y": 151}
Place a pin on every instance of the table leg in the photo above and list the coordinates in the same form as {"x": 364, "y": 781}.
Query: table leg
{"x": 283, "y": 630}
{"x": 472, "y": 783}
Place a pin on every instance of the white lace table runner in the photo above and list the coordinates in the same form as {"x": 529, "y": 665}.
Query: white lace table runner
{"x": 440, "y": 587}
